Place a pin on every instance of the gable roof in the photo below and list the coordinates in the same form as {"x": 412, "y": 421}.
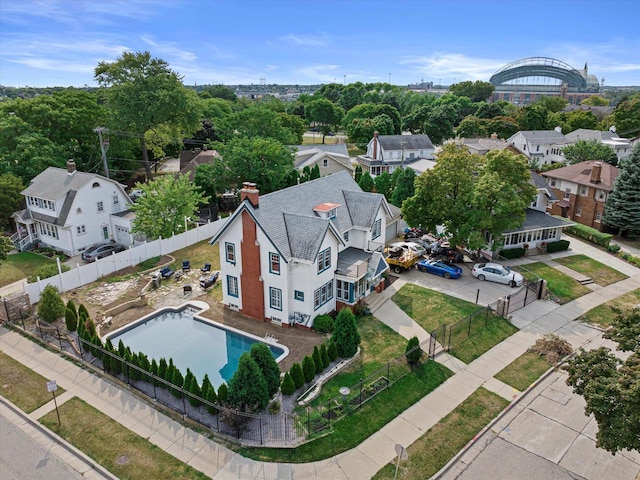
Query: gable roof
{"x": 287, "y": 217}
{"x": 602, "y": 136}
{"x": 540, "y": 136}
{"x": 541, "y": 183}
{"x": 340, "y": 148}
{"x": 580, "y": 173}
{"x": 535, "y": 220}
{"x": 412, "y": 142}
{"x": 311, "y": 156}
{"x": 190, "y": 167}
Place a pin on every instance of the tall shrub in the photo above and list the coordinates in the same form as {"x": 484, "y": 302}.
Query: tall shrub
{"x": 345, "y": 334}
{"x": 308, "y": 369}
{"x": 248, "y": 389}
{"x": 297, "y": 375}
{"x": 317, "y": 361}
{"x": 324, "y": 356}
{"x": 287, "y": 387}
{"x": 51, "y": 307}
{"x": 70, "y": 320}
{"x": 261, "y": 354}
{"x": 413, "y": 352}
{"x": 223, "y": 393}
{"x": 332, "y": 350}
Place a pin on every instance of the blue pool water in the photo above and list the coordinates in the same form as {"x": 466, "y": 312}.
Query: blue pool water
{"x": 198, "y": 344}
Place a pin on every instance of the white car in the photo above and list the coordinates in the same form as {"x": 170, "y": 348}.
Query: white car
{"x": 419, "y": 250}
{"x": 494, "y": 272}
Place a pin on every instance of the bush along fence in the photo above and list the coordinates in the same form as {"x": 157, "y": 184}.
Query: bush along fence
{"x": 590, "y": 234}
{"x": 450, "y": 336}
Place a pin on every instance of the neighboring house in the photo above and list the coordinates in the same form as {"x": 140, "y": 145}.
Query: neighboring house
{"x": 540, "y": 146}
{"x": 190, "y": 160}
{"x": 385, "y": 153}
{"x": 70, "y": 210}
{"x": 481, "y": 146}
{"x": 621, "y": 146}
{"x": 304, "y": 251}
{"x": 329, "y": 158}
{"x": 600, "y": 112}
{"x": 538, "y": 227}
{"x": 583, "y": 189}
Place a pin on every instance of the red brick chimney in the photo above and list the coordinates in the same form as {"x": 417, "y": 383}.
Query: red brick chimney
{"x": 251, "y": 193}
{"x": 375, "y": 145}
{"x": 71, "y": 166}
{"x": 596, "y": 171}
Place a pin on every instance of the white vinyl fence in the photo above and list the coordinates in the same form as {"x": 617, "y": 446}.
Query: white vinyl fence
{"x": 85, "y": 274}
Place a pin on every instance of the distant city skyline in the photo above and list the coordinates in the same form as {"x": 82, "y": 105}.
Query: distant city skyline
{"x": 51, "y": 43}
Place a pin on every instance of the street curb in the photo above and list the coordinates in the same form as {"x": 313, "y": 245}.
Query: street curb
{"x": 60, "y": 441}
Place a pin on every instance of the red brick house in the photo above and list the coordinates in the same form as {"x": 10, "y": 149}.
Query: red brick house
{"x": 582, "y": 190}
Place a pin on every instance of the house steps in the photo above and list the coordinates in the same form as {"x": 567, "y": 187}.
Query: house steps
{"x": 585, "y": 281}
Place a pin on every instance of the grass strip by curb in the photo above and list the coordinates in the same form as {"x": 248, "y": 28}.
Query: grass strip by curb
{"x": 523, "y": 371}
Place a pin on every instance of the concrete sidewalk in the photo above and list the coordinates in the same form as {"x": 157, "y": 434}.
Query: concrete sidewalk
{"x": 363, "y": 461}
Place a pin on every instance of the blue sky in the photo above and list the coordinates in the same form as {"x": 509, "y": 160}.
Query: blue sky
{"x": 60, "y": 42}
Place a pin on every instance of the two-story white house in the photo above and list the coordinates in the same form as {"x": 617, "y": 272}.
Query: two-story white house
{"x": 306, "y": 250}
{"x": 621, "y": 146}
{"x": 70, "y": 210}
{"x": 386, "y": 153}
{"x": 540, "y": 146}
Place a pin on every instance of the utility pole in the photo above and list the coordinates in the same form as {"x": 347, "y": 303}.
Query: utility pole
{"x": 103, "y": 148}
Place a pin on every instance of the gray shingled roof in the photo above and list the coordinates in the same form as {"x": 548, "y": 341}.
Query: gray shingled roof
{"x": 413, "y": 142}
{"x": 288, "y": 219}
{"x": 586, "y": 134}
{"x": 54, "y": 183}
{"x": 534, "y": 219}
{"x": 340, "y": 148}
{"x": 543, "y": 136}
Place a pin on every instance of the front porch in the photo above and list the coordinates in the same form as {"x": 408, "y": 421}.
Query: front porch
{"x": 358, "y": 274}
{"x": 26, "y": 235}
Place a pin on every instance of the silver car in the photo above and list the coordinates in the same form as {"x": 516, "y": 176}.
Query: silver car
{"x": 494, "y": 272}
{"x": 100, "y": 250}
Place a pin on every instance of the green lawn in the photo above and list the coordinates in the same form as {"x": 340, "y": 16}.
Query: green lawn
{"x": 22, "y": 386}
{"x": 364, "y": 422}
{"x": 431, "y": 309}
{"x": 561, "y": 285}
{"x": 379, "y": 345}
{"x": 602, "y": 315}
{"x": 523, "y": 371}
{"x": 601, "y": 274}
{"x": 21, "y": 265}
{"x": 106, "y": 441}
{"x": 468, "y": 348}
{"x": 435, "y": 448}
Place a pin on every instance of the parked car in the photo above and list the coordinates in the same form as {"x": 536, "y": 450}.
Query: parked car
{"x": 100, "y": 250}
{"x": 494, "y": 272}
{"x": 439, "y": 268}
{"x": 419, "y": 250}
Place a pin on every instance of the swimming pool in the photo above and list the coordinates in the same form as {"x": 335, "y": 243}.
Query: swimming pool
{"x": 192, "y": 342}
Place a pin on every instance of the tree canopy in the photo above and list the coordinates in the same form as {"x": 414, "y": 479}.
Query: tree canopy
{"x": 164, "y": 205}
{"x": 585, "y": 150}
{"x": 471, "y": 195}
{"x": 476, "y": 91}
{"x": 626, "y": 117}
{"x": 248, "y": 389}
{"x": 144, "y": 95}
{"x": 611, "y": 386}
{"x": 10, "y": 197}
{"x": 623, "y": 203}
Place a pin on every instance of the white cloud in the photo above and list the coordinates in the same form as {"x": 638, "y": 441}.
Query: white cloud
{"x": 454, "y": 65}
{"x": 170, "y": 49}
{"x": 324, "y": 73}
{"x": 307, "y": 40}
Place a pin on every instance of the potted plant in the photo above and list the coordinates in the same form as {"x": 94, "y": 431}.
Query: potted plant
{"x": 542, "y": 248}
{"x": 526, "y": 248}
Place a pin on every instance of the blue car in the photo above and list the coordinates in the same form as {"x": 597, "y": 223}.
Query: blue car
{"x": 439, "y": 268}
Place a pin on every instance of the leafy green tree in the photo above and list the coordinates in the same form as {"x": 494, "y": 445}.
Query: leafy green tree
{"x": 611, "y": 386}
{"x": 476, "y": 91}
{"x": 361, "y": 130}
{"x": 219, "y": 91}
{"x": 324, "y": 356}
{"x": 440, "y": 123}
{"x": 308, "y": 369}
{"x": 297, "y": 375}
{"x": 259, "y": 121}
{"x": 46, "y": 271}
{"x": 144, "y": 95}
{"x": 317, "y": 360}
{"x": 332, "y": 350}
{"x": 534, "y": 117}
{"x": 595, "y": 101}
{"x": 503, "y": 126}
{"x": 264, "y": 161}
{"x": 366, "y": 182}
{"x": 345, "y": 334}
{"x": 584, "y": 150}
{"x": 473, "y": 127}
{"x": 315, "y": 172}
{"x": 626, "y": 117}
{"x": 371, "y": 111}
{"x": 248, "y": 390}
{"x": 384, "y": 185}
{"x": 553, "y": 104}
{"x": 287, "y": 387}
{"x": 71, "y": 320}
{"x": 405, "y": 186}
{"x": 263, "y": 357}
{"x": 324, "y": 113}
{"x": 10, "y": 198}
{"x": 623, "y": 203}
{"x": 6, "y": 245}
{"x": 167, "y": 200}
{"x": 491, "y": 110}
{"x": 50, "y": 307}
{"x": 413, "y": 352}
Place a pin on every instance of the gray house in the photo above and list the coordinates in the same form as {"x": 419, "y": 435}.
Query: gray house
{"x": 385, "y": 153}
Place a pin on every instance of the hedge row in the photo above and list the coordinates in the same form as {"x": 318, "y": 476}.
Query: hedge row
{"x": 590, "y": 234}
{"x": 558, "y": 246}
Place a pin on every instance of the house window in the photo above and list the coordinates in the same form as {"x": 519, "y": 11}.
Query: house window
{"x": 579, "y": 210}
{"x": 345, "y": 236}
{"x": 598, "y": 217}
{"x": 342, "y": 290}
{"x": 275, "y": 298}
{"x": 583, "y": 191}
{"x": 230, "y": 250}
{"x": 81, "y": 230}
{"x": 100, "y": 207}
{"x": 116, "y": 200}
{"x": 95, "y": 185}
{"x": 298, "y": 295}
{"x": 322, "y": 295}
{"x": 601, "y": 196}
{"x": 567, "y": 193}
{"x": 274, "y": 263}
{"x": 375, "y": 231}
{"x": 324, "y": 260}
{"x": 232, "y": 286}
{"x": 325, "y": 163}
{"x": 553, "y": 183}
{"x": 48, "y": 230}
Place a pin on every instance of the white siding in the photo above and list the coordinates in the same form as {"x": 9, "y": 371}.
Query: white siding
{"x": 234, "y": 236}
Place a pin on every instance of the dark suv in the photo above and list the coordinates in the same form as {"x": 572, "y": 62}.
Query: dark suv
{"x": 100, "y": 250}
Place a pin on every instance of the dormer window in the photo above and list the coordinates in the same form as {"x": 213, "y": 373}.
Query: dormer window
{"x": 327, "y": 210}
{"x": 95, "y": 185}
